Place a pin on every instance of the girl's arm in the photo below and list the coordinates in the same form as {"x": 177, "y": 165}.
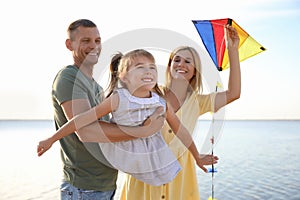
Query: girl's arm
{"x": 183, "y": 134}
{"x": 101, "y": 131}
{"x": 234, "y": 84}
{"x": 79, "y": 121}
{"x": 106, "y": 132}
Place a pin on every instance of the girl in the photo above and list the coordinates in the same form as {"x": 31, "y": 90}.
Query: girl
{"x": 182, "y": 92}
{"x": 133, "y": 96}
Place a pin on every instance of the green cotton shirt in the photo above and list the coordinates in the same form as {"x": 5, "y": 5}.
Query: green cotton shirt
{"x": 80, "y": 167}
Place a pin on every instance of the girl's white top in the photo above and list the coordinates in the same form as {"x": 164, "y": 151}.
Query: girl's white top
{"x": 147, "y": 159}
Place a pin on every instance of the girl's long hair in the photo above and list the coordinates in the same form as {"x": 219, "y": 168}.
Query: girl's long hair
{"x": 113, "y": 71}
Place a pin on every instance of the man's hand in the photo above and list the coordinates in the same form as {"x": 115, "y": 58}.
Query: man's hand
{"x": 154, "y": 122}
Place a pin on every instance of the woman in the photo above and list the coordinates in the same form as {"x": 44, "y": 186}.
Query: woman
{"x": 183, "y": 84}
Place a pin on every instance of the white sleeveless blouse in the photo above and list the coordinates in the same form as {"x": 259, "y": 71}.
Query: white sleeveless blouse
{"x": 147, "y": 159}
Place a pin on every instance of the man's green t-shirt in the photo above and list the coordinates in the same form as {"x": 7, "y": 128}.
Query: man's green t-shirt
{"x": 81, "y": 169}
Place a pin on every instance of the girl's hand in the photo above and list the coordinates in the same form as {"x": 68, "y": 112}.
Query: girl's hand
{"x": 204, "y": 159}
{"x": 44, "y": 146}
{"x": 231, "y": 37}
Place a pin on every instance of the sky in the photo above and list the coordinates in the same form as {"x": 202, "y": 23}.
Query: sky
{"x": 33, "y": 34}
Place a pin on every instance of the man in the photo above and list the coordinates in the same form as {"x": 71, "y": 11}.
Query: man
{"x": 74, "y": 91}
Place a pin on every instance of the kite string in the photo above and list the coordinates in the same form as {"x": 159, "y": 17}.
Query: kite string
{"x": 212, "y": 152}
{"x": 212, "y": 165}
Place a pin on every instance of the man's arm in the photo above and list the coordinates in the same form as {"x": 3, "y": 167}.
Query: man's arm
{"x": 107, "y": 132}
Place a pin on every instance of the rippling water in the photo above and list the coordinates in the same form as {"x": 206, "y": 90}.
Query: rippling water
{"x": 258, "y": 160}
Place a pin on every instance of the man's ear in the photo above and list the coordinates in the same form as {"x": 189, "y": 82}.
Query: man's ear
{"x": 69, "y": 44}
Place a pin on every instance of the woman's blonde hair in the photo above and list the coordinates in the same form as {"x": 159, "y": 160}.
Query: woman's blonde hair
{"x": 196, "y": 80}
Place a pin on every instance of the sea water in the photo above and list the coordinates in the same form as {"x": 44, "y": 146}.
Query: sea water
{"x": 258, "y": 160}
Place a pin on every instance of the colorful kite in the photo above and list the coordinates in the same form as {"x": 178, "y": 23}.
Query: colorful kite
{"x": 212, "y": 35}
